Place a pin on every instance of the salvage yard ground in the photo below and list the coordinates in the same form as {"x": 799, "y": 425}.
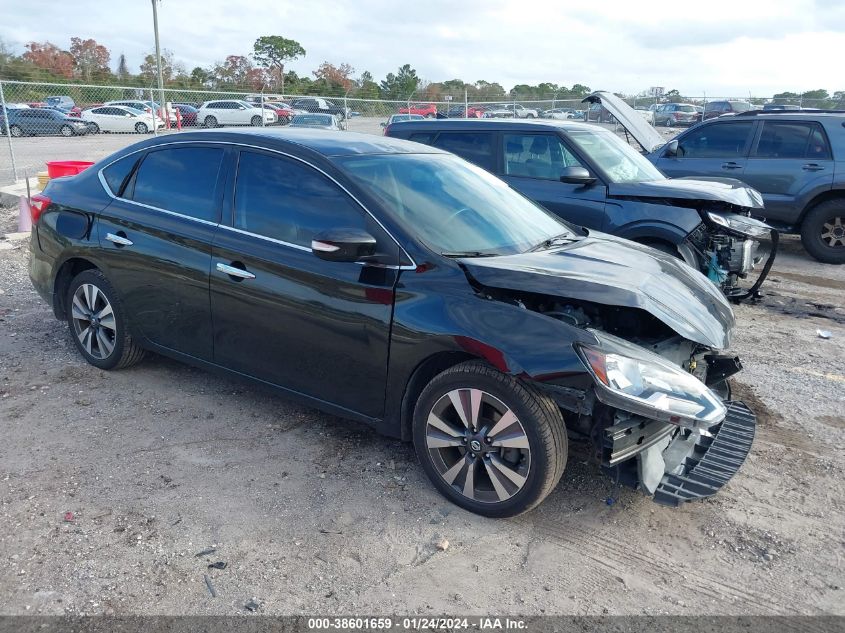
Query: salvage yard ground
{"x": 112, "y": 482}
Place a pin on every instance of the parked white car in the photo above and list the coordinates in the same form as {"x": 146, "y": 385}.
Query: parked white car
{"x": 646, "y": 113}
{"x": 510, "y": 110}
{"x": 114, "y": 118}
{"x": 233, "y": 112}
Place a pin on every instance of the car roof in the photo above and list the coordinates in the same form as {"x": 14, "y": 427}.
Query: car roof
{"x": 320, "y": 141}
{"x": 780, "y": 115}
{"x": 497, "y": 124}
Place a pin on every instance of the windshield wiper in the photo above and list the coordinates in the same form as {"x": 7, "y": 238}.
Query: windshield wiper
{"x": 557, "y": 240}
{"x": 467, "y": 254}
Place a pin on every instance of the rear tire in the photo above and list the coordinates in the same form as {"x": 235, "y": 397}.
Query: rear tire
{"x": 97, "y": 322}
{"x": 823, "y": 231}
{"x": 66, "y": 130}
{"x": 141, "y": 128}
{"x": 488, "y": 469}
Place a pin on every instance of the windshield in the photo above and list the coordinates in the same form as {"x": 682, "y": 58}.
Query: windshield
{"x": 740, "y": 106}
{"x": 452, "y": 205}
{"x": 685, "y": 108}
{"x": 619, "y": 161}
{"x": 311, "y": 119}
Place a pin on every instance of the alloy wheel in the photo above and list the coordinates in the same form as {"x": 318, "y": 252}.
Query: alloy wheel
{"x": 478, "y": 445}
{"x": 93, "y": 321}
{"x": 833, "y": 232}
{"x": 66, "y": 130}
{"x": 16, "y": 131}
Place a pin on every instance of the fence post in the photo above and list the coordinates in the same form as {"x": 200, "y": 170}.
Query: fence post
{"x": 466, "y": 104}
{"x": 153, "y": 110}
{"x": 5, "y": 112}
{"x": 263, "y": 124}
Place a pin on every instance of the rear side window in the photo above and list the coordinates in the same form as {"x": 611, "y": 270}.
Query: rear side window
{"x": 422, "y": 137}
{"x": 537, "y": 156}
{"x": 286, "y": 200}
{"x": 182, "y": 180}
{"x": 118, "y": 172}
{"x": 476, "y": 147}
{"x": 792, "y": 139}
{"x": 719, "y": 140}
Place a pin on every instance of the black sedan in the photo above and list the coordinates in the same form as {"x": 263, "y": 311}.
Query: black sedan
{"x": 394, "y": 284}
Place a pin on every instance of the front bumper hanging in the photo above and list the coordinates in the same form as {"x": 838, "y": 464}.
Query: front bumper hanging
{"x": 714, "y": 461}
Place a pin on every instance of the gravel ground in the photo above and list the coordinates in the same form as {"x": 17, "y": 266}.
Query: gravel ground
{"x": 112, "y": 483}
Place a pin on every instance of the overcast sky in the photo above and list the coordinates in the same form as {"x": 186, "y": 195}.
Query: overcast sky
{"x": 721, "y": 48}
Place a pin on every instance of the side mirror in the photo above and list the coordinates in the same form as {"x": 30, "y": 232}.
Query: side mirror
{"x": 671, "y": 148}
{"x": 383, "y": 124}
{"x": 343, "y": 245}
{"x": 576, "y": 175}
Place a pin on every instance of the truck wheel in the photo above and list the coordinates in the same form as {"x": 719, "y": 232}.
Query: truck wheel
{"x": 489, "y": 442}
{"x": 823, "y": 231}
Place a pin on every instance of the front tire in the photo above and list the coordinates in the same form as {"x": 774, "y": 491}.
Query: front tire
{"x": 489, "y": 442}
{"x": 97, "y": 322}
{"x": 823, "y": 232}
{"x": 93, "y": 128}
{"x": 210, "y": 121}
{"x": 16, "y": 131}
{"x": 255, "y": 121}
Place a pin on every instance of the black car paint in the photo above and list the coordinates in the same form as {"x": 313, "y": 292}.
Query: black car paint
{"x": 397, "y": 324}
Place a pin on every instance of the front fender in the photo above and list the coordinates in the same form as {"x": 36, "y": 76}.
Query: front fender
{"x": 515, "y": 340}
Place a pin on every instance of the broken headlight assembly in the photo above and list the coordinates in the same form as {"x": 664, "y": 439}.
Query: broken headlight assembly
{"x": 740, "y": 224}
{"x": 633, "y": 379}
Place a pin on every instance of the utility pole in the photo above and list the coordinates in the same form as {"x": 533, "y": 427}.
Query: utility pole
{"x": 158, "y": 65}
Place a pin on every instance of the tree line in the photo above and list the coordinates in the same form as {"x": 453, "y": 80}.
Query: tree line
{"x": 86, "y": 61}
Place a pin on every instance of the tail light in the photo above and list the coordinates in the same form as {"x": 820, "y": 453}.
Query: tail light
{"x": 37, "y": 204}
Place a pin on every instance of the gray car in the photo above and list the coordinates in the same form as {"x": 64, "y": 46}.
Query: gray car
{"x": 796, "y": 160}
{"x": 40, "y": 121}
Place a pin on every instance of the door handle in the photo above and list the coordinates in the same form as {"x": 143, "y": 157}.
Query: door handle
{"x": 812, "y": 167}
{"x": 119, "y": 240}
{"x": 234, "y": 271}
{"x": 731, "y": 165}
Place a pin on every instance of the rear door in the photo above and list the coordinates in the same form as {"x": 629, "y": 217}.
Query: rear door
{"x": 287, "y": 317}
{"x": 790, "y": 161}
{"x": 715, "y": 149}
{"x": 156, "y": 239}
{"x": 533, "y": 164}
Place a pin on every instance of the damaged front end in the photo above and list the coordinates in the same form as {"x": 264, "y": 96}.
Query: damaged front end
{"x": 726, "y": 247}
{"x": 653, "y": 399}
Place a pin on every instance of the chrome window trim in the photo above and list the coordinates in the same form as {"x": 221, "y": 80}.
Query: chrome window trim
{"x": 411, "y": 266}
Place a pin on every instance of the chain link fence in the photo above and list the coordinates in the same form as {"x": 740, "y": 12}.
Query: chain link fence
{"x": 43, "y": 122}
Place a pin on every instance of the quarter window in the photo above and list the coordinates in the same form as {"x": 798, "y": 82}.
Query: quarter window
{"x": 792, "y": 139}
{"x": 182, "y": 180}
{"x": 537, "y": 156}
{"x": 116, "y": 173}
{"x": 476, "y": 147}
{"x": 286, "y": 200}
{"x": 720, "y": 140}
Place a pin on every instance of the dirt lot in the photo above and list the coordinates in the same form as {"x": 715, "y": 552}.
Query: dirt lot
{"x": 314, "y": 514}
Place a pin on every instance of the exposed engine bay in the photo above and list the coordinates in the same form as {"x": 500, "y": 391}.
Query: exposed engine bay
{"x": 673, "y": 462}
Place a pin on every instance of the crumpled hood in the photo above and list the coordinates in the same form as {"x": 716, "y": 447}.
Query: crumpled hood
{"x": 642, "y": 131}
{"x": 715, "y": 189}
{"x": 612, "y": 271}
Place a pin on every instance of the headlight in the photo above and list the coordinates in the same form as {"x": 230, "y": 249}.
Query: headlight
{"x": 631, "y": 378}
{"x": 740, "y": 224}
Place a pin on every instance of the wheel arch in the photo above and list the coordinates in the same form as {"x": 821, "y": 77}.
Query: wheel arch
{"x": 64, "y": 275}
{"x": 824, "y": 196}
{"x": 424, "y": 372}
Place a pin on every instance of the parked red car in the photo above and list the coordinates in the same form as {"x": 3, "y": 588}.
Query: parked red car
{"x": 428, "y": 110}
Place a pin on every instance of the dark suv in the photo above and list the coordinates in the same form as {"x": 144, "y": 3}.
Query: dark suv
{"x": 590, "y": 176}
{"x": 715, "y": 109}
{"x": 796, "y": 159}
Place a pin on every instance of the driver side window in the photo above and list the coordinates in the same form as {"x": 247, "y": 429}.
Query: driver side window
{"x": 542, "y": 156}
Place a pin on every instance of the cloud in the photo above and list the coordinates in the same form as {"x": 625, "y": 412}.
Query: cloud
{"x": 753, "y": 46}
